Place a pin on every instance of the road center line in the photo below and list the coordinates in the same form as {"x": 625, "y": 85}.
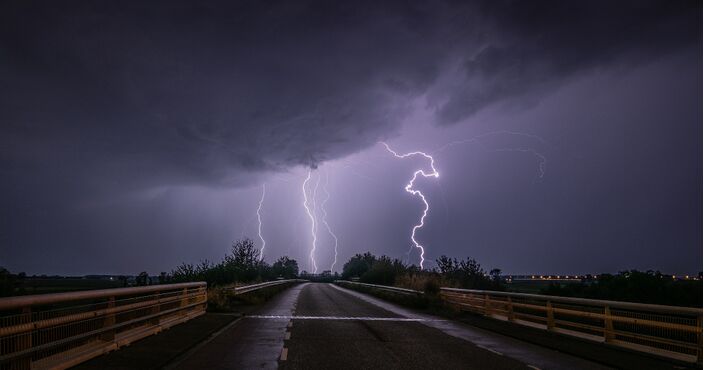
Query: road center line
{"x": 343, "y": 318}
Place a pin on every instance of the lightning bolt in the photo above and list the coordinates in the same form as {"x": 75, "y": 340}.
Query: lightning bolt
{"x": 325, "y": 215}
{"x": 487, "y": 134}
{"x": 409, "y": 188}
{"x": 312, "y": 221}
{"x": 315, "y": 214}
{"x": 259, "y": 218}
{"x": 542, "y": 161}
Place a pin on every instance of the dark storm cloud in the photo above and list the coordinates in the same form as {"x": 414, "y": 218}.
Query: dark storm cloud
{"x": 145, "y": 94}
{"x": 531, "y": 47}
{"x": 183, "y": 92}
{"x": 104, "y": 102}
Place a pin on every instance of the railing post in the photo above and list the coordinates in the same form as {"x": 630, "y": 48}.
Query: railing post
{"x": 109, "y": 321}
{"x": 509, "y": 305}
{"x": 184, "y": 298}
{"x": 205, "y": 297}
{"x": 156, "y": 308}
{"x": 608, "y": 325}
{"x": 550, "y": 316}
{"x": 699, "y": 339}
{"x": 487, "y": 305}
{"x": 24, "y": 341}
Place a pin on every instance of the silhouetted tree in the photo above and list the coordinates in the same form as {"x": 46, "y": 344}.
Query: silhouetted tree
{"x": 495, "y": 275}
{"x": 285, "y": 267}
{"x": 242, "y": 262}
{"x": 7, "y": 283}
{"x": 142, "y": 279}
{"x": 184, "y": 272}
{"x": 123, "y": 279}
{"x": 446, "y": 265}
{"x": 382, "y": 271}
{"x": 467, "y": 273}
{"x": 358, "y": 265}
{"x": 635, "y": 286}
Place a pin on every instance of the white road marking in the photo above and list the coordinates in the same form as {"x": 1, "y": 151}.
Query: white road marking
{"x": 347, "y": 318}
{"x": 491, "y": 350}
{"x": 533, "y": 367}
{"x": 284, "y": 354}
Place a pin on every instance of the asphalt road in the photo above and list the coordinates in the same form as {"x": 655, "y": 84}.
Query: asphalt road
{"x": 322, "y": 326}
{"x": 337, "y": 343}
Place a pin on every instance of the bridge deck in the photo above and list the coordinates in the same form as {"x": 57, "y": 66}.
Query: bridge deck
{"x": 324, "y": 326}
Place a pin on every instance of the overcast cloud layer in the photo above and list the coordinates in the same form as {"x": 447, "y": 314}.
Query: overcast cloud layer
{"x": 115, "y": 104}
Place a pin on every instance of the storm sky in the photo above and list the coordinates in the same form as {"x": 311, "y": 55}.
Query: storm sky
{"x": 137, "y": 135}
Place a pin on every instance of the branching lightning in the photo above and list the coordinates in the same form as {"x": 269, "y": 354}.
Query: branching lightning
{"x": 487, "y": 134}
{"x": 324, "y": 219}
{"x": 542, "y": 161}
{"x": 259, "y": 218}
{"x": 313, "y": 226}
{"x": 317, "y": 223}
{"x": 409, "y": 188}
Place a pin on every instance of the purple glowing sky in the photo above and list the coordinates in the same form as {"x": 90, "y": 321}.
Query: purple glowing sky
{"x": 136, "y": 137}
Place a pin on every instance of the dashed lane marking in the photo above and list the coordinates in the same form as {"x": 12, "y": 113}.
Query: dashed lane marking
{"x": 533, "y": 367}
{"x": 284, "y": 354}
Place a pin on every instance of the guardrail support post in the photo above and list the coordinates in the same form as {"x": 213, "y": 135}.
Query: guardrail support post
{"x": 699, "y": 339}
{"x": 156, "y": 308}
{"x": 24, "y": 341}
{"x": 184, "y": 298}
{"x": 608, "y": 325}
{"x": 509, "y": 305}
{"x": 550, "y": 316}
{"x": 205, "y": 297}
{"x": 109, "y": 321}
{"x": 487, "y": 305}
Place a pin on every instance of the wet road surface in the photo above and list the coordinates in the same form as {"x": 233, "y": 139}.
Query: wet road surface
{"x": 322, "y": 326}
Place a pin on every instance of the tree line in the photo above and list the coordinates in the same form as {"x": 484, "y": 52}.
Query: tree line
{"x": 450, "y": 272}
{"x": 635, "y": 286}
{"x": 630, "y": 286}
{"x": 241, "y": 265}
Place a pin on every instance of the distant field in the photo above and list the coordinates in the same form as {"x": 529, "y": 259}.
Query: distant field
{"x": 43, "y": 286}
{"x": 530, "y": 286}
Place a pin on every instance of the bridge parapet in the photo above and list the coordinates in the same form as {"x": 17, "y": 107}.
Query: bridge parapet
{"x": 667, "y": 331}
{"x": 60, "y": 330}
{"x": 57, "y": 331}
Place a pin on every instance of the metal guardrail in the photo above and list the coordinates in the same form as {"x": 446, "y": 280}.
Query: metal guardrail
{"x": 673, "y": 332}
{"x": 57, "y": 331}
{"x": 268, "y": 284}
{"x": 381, "y": 287}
